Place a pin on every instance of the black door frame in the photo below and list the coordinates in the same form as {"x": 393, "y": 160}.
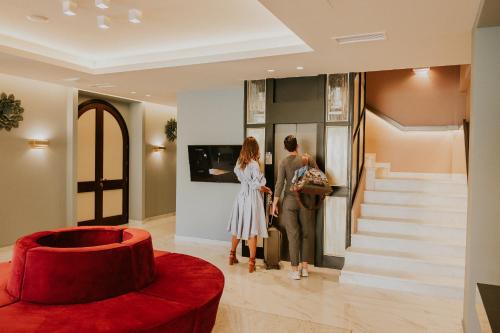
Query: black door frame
{"x": 99, "y": 184}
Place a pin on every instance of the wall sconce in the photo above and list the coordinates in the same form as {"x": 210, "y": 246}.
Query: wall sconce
{"x": 424, "y": 71}
{"x": 157, "y": 149}
{"x": 38, "y": 144}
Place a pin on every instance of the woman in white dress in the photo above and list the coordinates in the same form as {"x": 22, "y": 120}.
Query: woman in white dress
{"x": 248, "y": 218}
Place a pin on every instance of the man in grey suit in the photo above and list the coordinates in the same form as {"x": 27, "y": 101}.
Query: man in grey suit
{"x": 299, "y": 221}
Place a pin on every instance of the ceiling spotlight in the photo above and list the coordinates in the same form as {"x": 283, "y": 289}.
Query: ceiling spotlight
{"x": 71, "y": 79}
{"x": 270, "y": 70}
{"x": 300, "y": 68}
{"x": 103, "y": 4}
{"x": 69, "y": 7}
{"x": 134, "y": 15}
{"x": 103, "y": 22}
{"x": 133, "y": 92}
{"x": 148, "y": 95}
{"x": 37, "y": 18}
{"x": 421, "y": 71}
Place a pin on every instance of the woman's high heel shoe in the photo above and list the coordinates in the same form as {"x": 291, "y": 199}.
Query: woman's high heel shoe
{"x": 232, "y": 258}
{"x": 251, "y": 265}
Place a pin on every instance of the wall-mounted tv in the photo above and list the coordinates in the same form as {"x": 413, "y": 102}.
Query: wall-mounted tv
{"x": 213, "y": 163}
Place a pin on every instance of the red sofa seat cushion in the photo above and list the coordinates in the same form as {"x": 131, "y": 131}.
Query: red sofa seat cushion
{"x": 59, "y": 267}
{"x": 192, "y": 281}
{"x": 133, "y": 312}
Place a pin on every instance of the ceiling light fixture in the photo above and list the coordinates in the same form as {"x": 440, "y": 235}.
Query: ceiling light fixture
{"x": 371, "y": 37}
{"x": 37, "y": 18}
{"x": 134, "y": 16}
{"x": 148, "y": 95}
{"x": 133, "y": 92}
{"x": 102, "y": 4}
{"x": 69, "y": 7}
{"x": 71, "y": 79}
{"x": 103, "y": 22}
{"x": 423, "y": 71}
{"x": 270, "y": 70}
{"x": 300, "y": 68}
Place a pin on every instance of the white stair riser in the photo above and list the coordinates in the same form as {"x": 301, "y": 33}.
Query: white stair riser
{"x": 405, "y": 245}
{"x": 397, "y": 284}
{"x": 419, "y": 186}
{"x": 455, "y": 177}
{"x": 409, "y": 198}
{"x": 432, "y": 232}
{"x": 404, "y": 264}
{"x": 413, "y": 213}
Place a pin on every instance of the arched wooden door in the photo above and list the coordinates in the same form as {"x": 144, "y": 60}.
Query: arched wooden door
{"x": 103, "y": 166}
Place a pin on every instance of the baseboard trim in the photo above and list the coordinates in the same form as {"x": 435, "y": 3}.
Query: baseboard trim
{"x": 139, "y": 223}
{"x": 204, "y": 241}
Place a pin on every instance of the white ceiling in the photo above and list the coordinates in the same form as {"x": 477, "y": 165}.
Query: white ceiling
{"x": 198, "y": 44}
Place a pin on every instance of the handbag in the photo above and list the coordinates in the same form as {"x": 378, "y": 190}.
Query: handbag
{"x": 310, "y": 181}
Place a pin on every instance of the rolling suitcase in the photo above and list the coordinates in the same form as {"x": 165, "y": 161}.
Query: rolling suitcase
{"x": 272, "y": 244}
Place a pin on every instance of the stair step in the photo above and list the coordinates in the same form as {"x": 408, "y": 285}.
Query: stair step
{"x": 455, "y": 177}
{"x": 407, "y": 244}
{"x": 420, "y": 185}
{"x": 407, "y": 262}
{"x": 404, "y": 281}
{"x": 412, "y": 228}
{"x": 416, "y": 199}
{"x": 429, "y": 214}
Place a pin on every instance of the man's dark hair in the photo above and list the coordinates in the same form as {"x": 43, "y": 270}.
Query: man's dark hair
{"x": 290, "y": 143}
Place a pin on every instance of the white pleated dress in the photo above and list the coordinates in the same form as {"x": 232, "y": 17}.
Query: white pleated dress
{"x": 248, "y": 217}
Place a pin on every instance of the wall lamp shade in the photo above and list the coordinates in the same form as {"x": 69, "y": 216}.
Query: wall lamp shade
{"x": 102, "y": 4}
{"x": 103, "y": 22}
{"x": 38, "y": 144}
{"x": 421, "y": 71}
{"x": 157, "y": 149}
{"x": 134, "y": 16}
{"x": 69, "y": 7}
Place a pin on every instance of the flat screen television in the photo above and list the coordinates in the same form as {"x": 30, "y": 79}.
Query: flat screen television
{"x": 213, "y": 163}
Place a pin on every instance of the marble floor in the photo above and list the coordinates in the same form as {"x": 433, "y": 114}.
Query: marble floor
{"x": 269, "y": 301}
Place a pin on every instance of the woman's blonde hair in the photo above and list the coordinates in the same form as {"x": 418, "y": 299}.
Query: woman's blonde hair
{"x": 249, "y": 152}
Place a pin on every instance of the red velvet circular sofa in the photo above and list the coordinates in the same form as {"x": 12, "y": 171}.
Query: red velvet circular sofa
{"x": 105, "y": 279}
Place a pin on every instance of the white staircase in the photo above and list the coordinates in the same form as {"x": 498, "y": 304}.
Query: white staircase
{"x": 411, "y": 233}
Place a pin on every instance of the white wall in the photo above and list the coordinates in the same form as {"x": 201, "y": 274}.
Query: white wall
{"x": 483, "y": 223}
{"x": 33, "y": 182}
{"x": 205, "y": 118}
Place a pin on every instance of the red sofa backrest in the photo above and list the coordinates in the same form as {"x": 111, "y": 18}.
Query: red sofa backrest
{"x": 80, "y": 265}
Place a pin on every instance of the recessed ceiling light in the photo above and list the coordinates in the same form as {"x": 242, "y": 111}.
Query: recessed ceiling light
{"x": 133, "y": 92}
{"x": 134, "y": 15}
{"x": 421, "y": 71}
{"x": 71, "y": 79}
{"x": 103, "y": 22}
{"x": 103, "y": 4}
{"x": 37, "y": 18}
{"x": 300, "y": 68}
{"x": 270, "y": 70}
{"x": 69, "y": 7}
{"x": 148, "y": 95}
{"x": 371, "y": 37}
{"x": 103, "y": 85}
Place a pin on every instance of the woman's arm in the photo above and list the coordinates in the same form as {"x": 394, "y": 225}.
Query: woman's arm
{"x": 280, "y": 184}
{"x": 257, "y": 179}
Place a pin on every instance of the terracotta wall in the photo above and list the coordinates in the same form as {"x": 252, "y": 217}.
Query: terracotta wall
{"x": 415, "y": 151}
{"x": 415, "y": 100}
